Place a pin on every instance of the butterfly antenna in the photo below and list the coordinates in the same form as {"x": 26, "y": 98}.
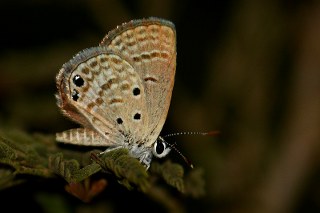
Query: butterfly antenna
{"x": 210, "y": 133}
{"x": 183, "y": 157}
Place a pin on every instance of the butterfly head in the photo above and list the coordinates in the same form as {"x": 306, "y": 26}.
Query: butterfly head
{"x": 160, "y": 148}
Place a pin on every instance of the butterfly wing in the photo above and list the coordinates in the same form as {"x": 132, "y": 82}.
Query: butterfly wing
{"x": 149, "y": 45}
{"x": 101, "y": 91}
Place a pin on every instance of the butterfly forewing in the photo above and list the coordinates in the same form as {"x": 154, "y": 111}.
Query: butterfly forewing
{"x": 149, "y": 45}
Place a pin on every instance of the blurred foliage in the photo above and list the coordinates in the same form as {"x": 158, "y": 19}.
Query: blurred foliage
{"x": 24, "y": 156}
{"x": 249, "y": 69}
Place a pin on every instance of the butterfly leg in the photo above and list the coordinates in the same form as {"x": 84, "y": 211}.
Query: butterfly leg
{"x": 145, "y": 159}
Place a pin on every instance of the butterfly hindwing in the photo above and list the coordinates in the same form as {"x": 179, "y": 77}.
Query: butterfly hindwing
{"x": 106, "y": 93}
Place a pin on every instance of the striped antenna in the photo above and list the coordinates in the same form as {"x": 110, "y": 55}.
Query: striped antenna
{"x": 172, "y": 146}
{"x": 210, "y": 133}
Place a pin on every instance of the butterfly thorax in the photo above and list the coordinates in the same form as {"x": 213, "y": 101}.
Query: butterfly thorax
{"x": 141, "y": 152}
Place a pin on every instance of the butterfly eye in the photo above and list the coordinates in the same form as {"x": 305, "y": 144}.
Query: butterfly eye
{"x": 160, "y": 148}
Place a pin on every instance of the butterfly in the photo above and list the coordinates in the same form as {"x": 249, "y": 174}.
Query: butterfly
{"x": 120, "y": 91}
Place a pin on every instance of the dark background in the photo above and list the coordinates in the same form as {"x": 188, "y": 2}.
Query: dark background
{"x": 250, "y": 69}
